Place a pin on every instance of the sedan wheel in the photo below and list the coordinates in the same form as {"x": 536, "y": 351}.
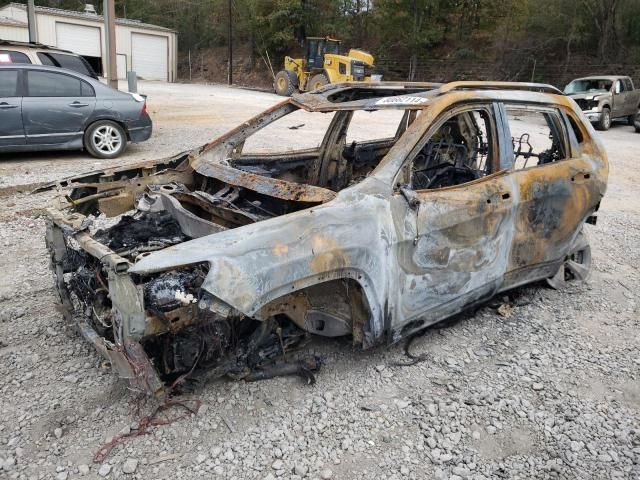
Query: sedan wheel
{"x": 577, "y": 264}
{"x": 105, "y": 139}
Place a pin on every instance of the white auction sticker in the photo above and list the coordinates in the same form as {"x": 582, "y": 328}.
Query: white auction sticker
{"x": 402, "y": 100}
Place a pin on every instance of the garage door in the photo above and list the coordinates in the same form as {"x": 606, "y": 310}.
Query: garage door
{"x": 149, "y": 56}
{"x": 80, "y": 39}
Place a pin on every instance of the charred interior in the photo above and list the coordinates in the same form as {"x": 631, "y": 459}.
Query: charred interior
{"x": 460, "y": 151}
{"x": 182, "y": 339}
{"x": 335, "y": 163}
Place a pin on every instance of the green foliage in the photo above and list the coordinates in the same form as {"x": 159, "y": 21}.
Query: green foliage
{"x": 200, "y": 23}
{"x": 466, "y": 54}
{"x": 270, "y": 24}
{"x": 411, "y": 25}
{"x": 630, "y": 14}
{"x": 489, "y": 30}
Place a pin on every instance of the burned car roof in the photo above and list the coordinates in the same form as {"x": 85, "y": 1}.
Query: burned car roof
{"x": 406, "y": 95}
{"x": 413, "y": 202}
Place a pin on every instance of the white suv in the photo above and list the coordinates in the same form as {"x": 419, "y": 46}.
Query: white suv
{"x": 38, "y": 54}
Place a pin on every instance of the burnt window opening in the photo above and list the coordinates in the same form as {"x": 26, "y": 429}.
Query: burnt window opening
{"x": 376, "y": 125}
{"x": 459, "y": 151}
{"x": 331, "y": 150}
{"x": 369, "y": 137}
{"x": 576, "y": 129}
{"x": 302, "y": 130}
{"x": 342, "y": 68}
{"x": 537, "y": 137}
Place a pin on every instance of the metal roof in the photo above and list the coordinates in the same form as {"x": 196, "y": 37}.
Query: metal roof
{"x": 12, "y": 22}
{"x": 409, "y": 95}
{"x": 59, "y": 12}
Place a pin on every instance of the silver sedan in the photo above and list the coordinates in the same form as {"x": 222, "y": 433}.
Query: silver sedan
{"x": 48, "y": 108}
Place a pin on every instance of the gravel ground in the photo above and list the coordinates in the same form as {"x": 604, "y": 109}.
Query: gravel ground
{"x": 552, "y": 391}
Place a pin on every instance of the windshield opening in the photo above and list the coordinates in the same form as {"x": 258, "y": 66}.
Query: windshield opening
{"x": 596, "y": 85}
{"x": 330, "y": 150}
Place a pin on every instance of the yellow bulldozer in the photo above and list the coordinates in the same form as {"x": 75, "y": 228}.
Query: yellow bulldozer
{"x": 323, "y": 63}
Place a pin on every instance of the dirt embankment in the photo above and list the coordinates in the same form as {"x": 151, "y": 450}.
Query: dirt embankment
{"x": 211, "y": 65}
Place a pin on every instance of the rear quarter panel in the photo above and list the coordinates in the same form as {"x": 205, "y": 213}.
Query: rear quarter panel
{"x": 126, "y": 111}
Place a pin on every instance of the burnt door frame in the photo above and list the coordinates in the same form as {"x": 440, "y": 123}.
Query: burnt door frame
{"x": 453, "y": 244}
{"x": 553, "y": 201}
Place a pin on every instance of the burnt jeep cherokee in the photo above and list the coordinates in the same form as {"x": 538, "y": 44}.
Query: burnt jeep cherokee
{"x": 381, "y": 210}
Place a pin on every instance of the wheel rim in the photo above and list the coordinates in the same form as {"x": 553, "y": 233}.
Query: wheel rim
{"x": 106, "y": 139}
{"x": 576, "y": 266}
{"x": 578, "y": 262}
{"x": 607, "y": 119}
{"x": 282, "y": 83}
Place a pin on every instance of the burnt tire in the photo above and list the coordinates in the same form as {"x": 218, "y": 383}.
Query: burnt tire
{"x": 605, "y": 120}
{"x": 285, "y": 83}
{"x": 317, "y": 81}
{"x": 631, "y": 119}
{"x": 105, "y": 139}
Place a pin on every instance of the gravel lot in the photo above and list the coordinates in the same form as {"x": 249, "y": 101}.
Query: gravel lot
{"x": 552, "y": 391}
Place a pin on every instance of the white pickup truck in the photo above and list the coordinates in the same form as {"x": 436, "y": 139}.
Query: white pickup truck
{"x": 605, "y": 98}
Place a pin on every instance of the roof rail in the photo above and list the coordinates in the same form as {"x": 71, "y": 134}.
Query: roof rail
{"x": 476, "y": 85}
{"x": 42, "y": 46}
{"x": 377, "y": 85}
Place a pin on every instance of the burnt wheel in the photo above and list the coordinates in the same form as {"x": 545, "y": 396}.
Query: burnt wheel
{"x": 577, "y": 263}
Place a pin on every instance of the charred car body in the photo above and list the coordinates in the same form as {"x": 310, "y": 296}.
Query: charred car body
{"x": 219, "y": 260}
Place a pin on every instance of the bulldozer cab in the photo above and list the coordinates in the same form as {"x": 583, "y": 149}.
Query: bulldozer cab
{"x": 317, "y": 47}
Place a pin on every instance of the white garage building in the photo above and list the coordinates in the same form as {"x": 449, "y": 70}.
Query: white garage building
{"x": 149, "y": 50}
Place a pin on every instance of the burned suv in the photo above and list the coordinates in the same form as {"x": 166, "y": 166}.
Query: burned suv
{"x": 370, "y": 211}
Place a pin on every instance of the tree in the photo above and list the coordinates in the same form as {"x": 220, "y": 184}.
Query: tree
{"x": 411, "y": 26}
{"x": 604, "y": 14}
